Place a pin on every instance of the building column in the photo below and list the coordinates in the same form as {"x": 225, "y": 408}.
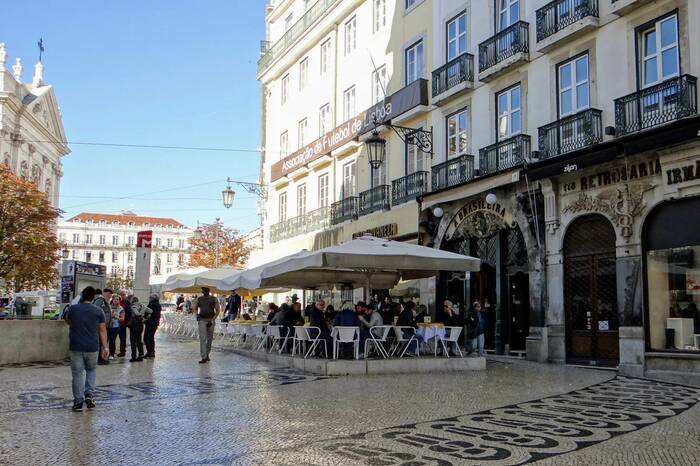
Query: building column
{"x": 629, "y": 303}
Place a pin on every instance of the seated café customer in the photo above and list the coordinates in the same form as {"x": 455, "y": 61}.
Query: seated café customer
{"x": 346, "y": 318}
{"x": 317, "y": 318}
{"x": 294, "y": 318}
{"x": 368, "y": 319}
{"x": 330, "y": 313}
{"x": 422, "y": 313}
{"x": 406, "y": 318}
{"x": 272, "y": 309}
{"x": 449, "y": 318}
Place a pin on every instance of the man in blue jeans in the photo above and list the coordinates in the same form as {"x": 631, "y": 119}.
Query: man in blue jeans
{"x": 87, "y": 331}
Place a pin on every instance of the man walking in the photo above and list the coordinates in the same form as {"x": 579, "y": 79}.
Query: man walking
{"x": 87, "y": 333}
{"x": 103, "y": 303}
{"x": 207, "y": 308}
{"x": 149, "y": 336}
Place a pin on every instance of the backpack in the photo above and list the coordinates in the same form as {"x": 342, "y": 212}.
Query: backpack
{"x": 101, "y": 302}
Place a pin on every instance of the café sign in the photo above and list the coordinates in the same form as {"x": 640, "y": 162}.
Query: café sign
{"x": 385, "y": 231}
{"x": 479, "y": 219}
{"x": 392, "y": 106}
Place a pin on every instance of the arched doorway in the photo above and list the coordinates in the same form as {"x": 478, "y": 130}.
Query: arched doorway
{"x": 590, "y": 292}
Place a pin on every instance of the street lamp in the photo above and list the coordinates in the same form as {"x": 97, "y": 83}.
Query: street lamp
{"x": 376, "y": 146}
{"x": 228, "y": 194}
{"x": 376, "y": 150}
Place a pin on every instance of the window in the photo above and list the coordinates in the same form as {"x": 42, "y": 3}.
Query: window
{"x": 303, "y": 73}
{"x": 88, "y": 256}
{"x": 508, "y": 13}
{"x": 508, "y": 103}
{"x": 349, "y": 103}
{"x": 379, "y": 14}
{"x": 573, "y": 86}
{"x": 660, "y": 56}
{"x": 324, "y": 119}
{"x": 115, "y": 240}
{"x": 74, "y": 254}
{"x": 323, "y": 190}
{"x": 284, "y": 145}
{"x": 301, "y": 200}
{"x": 130, "y": 257}
{"x": 377, "y": 176}
{"x": 169, "y": 258}
{"x": 158, "y": 242}
{"x": 301, "y": 132}
{"x": 115, "y": 257}
{"x": 350, "y": 36}
{"x": 282, "y": 208}
{"x": 62, "y": 237}
{"x": 76, "y": 238}
{"x": 181, "y": 243}
{"x": 325, "y": 55}
{"x": 65, "y": 253}
{"x": 88, "y": 239}
{"x": 288, "y": 22}
{"x": 457, "y": 37}
{"x": 180, "y": 259}
{"x": 130, "y": 271}
{"x": 101, "y": 257}
{"x": 130, "y": 241}
{"x": 415, "y": 159}
{"x": 115, "y": 270}
{"x": 170, "y": 242}
{"x": 285, "y": 89}
{"x": 414, "y": 62}
{"x": 410, "y": 4}
{"x": 457, "y": 134}
{"x": 103, "y": 240}
{"x": 349, "y": 178}
{"x": 378, "y": 84}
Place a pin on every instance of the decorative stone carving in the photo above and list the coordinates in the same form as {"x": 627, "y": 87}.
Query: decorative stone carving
{"x": 38, "y": 79}
{"x": 3, "y": 55}
{"x": 24, "y": 170}
{"x": 36, "y": 175}
{"x": 622, "y": 205}
{"x": 7, "y": 159}
{"x": 17, "y": 69}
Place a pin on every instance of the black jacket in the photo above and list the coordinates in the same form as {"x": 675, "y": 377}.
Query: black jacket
{"x": 155, "y": 306}
{"x": 406, "y": 319}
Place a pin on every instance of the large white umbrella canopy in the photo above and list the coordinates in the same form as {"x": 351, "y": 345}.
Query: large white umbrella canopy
{"x": 365, "y": 261}
{"x": 193, "y": 283}
{"x": 158, "y": 281}
{"x": 250, "y": 281}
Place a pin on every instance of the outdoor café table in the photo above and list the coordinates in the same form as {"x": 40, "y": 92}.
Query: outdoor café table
{"x": 428, "y": 332}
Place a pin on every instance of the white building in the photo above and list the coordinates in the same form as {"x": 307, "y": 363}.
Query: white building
{"x": 32, "y": 140}
{"x": 110, "y": 240}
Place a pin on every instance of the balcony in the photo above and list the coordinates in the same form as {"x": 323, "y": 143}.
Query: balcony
{"x": 571, "y": 133}
{"x": 316, "y": 11}
{"x": 409, "y": 187}
{"x": 504, "y": 155}
{"x": 311, "y": 221}
{"x": 453, "y": 172}
{"x": 344, "y": 210}
{"x": 375, "y": 199}
{"x": 453, "y": 77}
{"x": 668, "y": 101}
{"x": 505, "y": 49}
{"x": 622, "y": 7}
{"x": 562, "y": 21}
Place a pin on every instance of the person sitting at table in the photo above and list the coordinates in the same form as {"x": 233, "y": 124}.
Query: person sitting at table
{"x": 448, "y": 318}
{"x": 293, "y": 318}
{"x": 368, "y": 319}
{"x": 272, "y": 309}
{"x": 385, "y": 311}
{"x": 346, "y": 318}
{"x": 406, "y": 318}
{"x": 422, "y": 313}
{"x": 330, "y": 314}
{"x": 317, "y": 318}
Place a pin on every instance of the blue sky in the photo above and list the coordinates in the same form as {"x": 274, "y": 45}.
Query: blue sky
{"x": 154, "y": 72}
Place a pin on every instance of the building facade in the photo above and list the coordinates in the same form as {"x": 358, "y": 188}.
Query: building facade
{"x": 564, "y": 155}
{"x": 110, "y": 240}
{"x": 32, "y": 140}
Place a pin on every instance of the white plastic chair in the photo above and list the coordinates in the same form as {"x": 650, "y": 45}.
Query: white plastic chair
{"x": 377, "y": 337}
{"x": 404, "y": 337}
{"x": 258, "y": 337}
{"x": 346, "y": 335}
{"x": 451, "y": 336}
{"x": 300, "y": 337}
{"x": 315, "y": 341}
{"x": 274, "y": 332}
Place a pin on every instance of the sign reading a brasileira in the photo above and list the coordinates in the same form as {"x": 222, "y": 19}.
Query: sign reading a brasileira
{"x": 479, "y": 219}
{"x": 384, "y": 231}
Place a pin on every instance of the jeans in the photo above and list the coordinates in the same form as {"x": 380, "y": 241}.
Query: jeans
{"x": 83, "y": 362}
{"x": 206, "y": 337}
{"x": 122, "y": 339}
{"x": 112, "y": 338}
{"x": 149, "y": 339}
{"x": 136, "y": 340}
{"x": 477, "y": 342}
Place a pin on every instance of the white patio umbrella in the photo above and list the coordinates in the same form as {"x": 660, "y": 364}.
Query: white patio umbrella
{"x": 365, "y": 261}
{"x": 193, "y": 283}
{"x": 249, "y": 281}
{"x": 157, "y": 282}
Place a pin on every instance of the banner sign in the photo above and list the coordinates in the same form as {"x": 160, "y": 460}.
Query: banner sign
{"x": 411, "y": 96}
{"x": 144, "y": 239}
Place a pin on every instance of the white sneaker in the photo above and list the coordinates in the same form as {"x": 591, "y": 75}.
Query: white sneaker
{"x": 111, "y": 357}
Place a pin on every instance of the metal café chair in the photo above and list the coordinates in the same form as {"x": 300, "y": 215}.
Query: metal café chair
{"x": 404, "y": 337}
{"x": 315, "y": 341}
{"x": 279, "y": 342}
{"x": 451, "y": 336}
{"x": 346, "y": 335}
{"x": 378, "y": 337}
{"x": 300, "y": 338}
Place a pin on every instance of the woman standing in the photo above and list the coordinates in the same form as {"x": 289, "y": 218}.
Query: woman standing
{"x": 116, "y": 322}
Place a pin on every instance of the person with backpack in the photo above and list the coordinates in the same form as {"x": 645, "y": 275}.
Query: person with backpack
{"x": 103, "y": 303}
{"x": 149, "y": 337}
{"x": 208, "y": 309}
{"x": 139, "y": 315}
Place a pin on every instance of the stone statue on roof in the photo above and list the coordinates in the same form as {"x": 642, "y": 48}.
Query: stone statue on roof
{"x": 17, "y": 69}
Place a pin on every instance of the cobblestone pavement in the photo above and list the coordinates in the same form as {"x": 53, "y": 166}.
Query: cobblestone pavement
{"x": 173, "y": 411}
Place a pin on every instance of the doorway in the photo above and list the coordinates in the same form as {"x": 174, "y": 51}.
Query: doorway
{"x": 590, "y": 292}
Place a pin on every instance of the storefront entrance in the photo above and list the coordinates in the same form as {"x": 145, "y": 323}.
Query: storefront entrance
{"x": 590, "y": 292}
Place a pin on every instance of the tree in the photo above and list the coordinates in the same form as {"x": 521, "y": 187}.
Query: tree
{"x": 29, "y": 249}
{"x": 117, "y": 282}
{"x": 232, "y": 251}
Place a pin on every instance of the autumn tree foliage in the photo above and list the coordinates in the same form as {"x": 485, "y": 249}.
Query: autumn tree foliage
{"x": 232, "y": 250}
{"x": 29, "y": 249}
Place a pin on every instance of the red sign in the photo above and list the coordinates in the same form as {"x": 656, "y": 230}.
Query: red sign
{"x": 144, "y": 239}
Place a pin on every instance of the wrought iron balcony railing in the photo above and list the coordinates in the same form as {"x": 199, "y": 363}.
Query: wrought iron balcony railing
{"x": 409, "y": 187}
{"x": 452, "y": 73}
{"x": 311, "y": 221}
{"x": 453, "y": 172}
{"x": 377, "y": 198}
{"x": 314, "y": 12}
{"x": 668, "y": 101}
{"x": 344, "y": 210}
{"x": 504, "y": 155}
{"x": 571, "y": 133}
{"x": 556, "y": 15}
{"x": 510, "y": 41}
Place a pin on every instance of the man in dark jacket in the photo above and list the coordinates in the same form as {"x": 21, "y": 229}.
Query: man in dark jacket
{"x": 346, "y": 318}
{"x": 233, "y": 307}
{"x": 103, "y": 304}
{"x": 149, "y": 336}
{"x": 317, "y": 318}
